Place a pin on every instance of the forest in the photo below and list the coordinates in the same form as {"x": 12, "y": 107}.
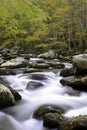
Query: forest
{"x": 40, "y": 25}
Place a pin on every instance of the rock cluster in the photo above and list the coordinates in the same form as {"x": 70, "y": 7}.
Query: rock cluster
{"x": 78, "y": 80}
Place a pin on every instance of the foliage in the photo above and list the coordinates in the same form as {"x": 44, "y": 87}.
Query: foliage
{"x": 47, "y": 24}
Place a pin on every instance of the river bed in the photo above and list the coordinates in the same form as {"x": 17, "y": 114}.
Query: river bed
{"x": 19, "y": 117}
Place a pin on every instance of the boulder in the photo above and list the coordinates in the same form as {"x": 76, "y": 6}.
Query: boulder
{"x": 67, "y": 72}
{"x": 77, "y": 123}
{"x": 16, "y": 95}
{"x": 80, "y": 63}
{"x": 76, "y": 82}
{"x": 6, "y": 97}
{"x": 53, "y": 121}
{"x": 33, "y": 85}
{"x": 15, "y": 63}
{"x": 42, "y": 110}
{"x": 47, "y": 55}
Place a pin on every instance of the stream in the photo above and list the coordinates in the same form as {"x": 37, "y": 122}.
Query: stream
{"x": 19, "y": 117}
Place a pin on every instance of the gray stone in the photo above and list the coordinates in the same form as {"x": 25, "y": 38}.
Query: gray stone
{"x": 14, "y": 63}
{"x": 47, "y": 55}
{"x": 80, "y": 61}
{"x": 77, "y": 82}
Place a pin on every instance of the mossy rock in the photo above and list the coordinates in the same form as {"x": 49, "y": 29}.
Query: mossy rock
{"x": 77, "y": 123}
{"x": 41, "y": 111}
{"x": 53, "y": 121}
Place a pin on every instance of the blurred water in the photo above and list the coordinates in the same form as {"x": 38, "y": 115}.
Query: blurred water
{"x": 19, "y": 117}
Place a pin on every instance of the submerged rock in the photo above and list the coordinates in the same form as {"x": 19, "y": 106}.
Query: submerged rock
{"x": 33, "y": 85}
{"x": 37, "y": 76}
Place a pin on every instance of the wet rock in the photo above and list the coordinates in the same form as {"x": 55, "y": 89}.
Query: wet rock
{"x": 6, "y": 97}
{"x": 16, "y": 95}
{"x": 30, "y": 70}
{"x": 53, "y": 120}
{"x": 67, "y": 72}
{"x": 41, "y": 111}
{"x": 39, "y": 65}
{"x": 4, "y": 71}
{"x": 77, "y": 123}
{"x": 47, "y": 55}
{"x": 56, "y": 65}
{"x": 15, "y": 63}
{"x": 80, "y": 63}
{"x": 37, "y": 76}
{"x": 77, "y": 82}
{"x": 33, "y": 85}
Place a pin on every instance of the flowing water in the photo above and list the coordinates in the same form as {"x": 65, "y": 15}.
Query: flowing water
{"x": 19, "y": 117}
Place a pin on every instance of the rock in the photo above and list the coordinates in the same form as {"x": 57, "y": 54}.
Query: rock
{"x": 77, "y": 123}
{"x": 77, "y": 82}
{"x": 42, "y": 66}
{"x": 80, "y": 63}
{"x": 15, "y": 63}
{"x": 37, "y": 76}
{"x": 16, "y": 95}
{"x": 47, "y": 55}
{"x": 6, "y": 97}
{"x": 4, "y": 71}
{"x": 30, "y": 70}
{"x": 56, "y": 65}
{"x": 67, "y": 72}
{"x": 39, "y": 65}
{"x": 65, "y": 58}
{"x": 41, "y": 111}
{"x": 53, "y": 121}
{"x": 33, "y": 85}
